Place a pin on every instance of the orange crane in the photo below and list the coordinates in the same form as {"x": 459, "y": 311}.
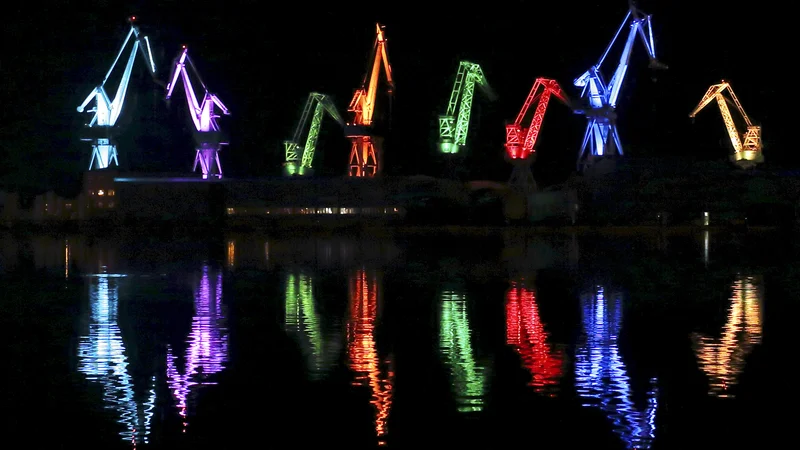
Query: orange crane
{"x": 366, "y": 148}
{"x": 746, "y": 146}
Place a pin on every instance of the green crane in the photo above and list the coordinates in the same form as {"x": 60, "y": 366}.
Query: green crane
{"x": 299, "y": 160}
{"x": 452, "y": 129}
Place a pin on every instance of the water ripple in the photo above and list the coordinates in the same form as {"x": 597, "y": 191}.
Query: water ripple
{"x": 370, "y": 369}
{"x": 601, "y": 378}
{"x": 526, "y": 334}
{"x": 468, "y": 377}
{"x": 102, "y": 358}
{"x": 723, "y": 358}
{"x": 207, "y": 351}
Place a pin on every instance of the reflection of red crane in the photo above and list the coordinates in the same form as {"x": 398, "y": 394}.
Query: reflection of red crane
{"x": 366, "y": 148}
{"x": 525, "y": 332}
{"x": 363, "y": 352}
{"x": 520, "y": 141}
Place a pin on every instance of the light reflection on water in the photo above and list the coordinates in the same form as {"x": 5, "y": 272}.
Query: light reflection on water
{"x": 525, "y": 332}
{"x": 102, "y": 358}
{"x": 371, "y": 370}
{"x": 601, "y": 378}
{"x": 207, "y": 351}
{"x": 305, "y": 324}
{"x": 723, "y": 358}
{"x": 468, "y": 376}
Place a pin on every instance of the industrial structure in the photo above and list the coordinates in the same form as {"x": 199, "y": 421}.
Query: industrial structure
{"x": 300, "y": 159}
{"x": 366, "y": 146}
{"x": 106, "y": 112}
{"x": 208, "y": 137}
{"x": 366, "y": 128}
{"x": 747, "y": 145}
{"x": 454, "y": 124}
{"x": 600, "y": 98}
{"x": 521, "y": 140}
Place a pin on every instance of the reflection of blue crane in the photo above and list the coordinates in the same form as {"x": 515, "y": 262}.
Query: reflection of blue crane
{"x": 601, "y": 135}
{"x": 107, "y": 111}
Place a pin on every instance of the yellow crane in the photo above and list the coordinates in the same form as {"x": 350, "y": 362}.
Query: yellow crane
{"x": 746, "y": 146}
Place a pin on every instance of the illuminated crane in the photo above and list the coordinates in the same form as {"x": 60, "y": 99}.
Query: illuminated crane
{"x": 107, "y": 111}
{"x": 452, "y": 129}
{"x": 746, "y": 147}
{"x": 208, "y": 137}
{"x": 601, "y": 137}
{"x": 366, "y": 148}
{"x": 520, "y": 140}
{"x": 299, "y": 160}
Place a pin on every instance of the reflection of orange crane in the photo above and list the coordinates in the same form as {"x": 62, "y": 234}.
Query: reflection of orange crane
{"x": 724, "y": 358}
{"x": 366, "y": 148}
{"x": 362, "y": 350}
{"x": 746, "y": 147}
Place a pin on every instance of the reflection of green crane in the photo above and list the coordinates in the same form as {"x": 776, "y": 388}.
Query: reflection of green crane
{"x": 454, "y": 337}
{"x": 299, "y": 160}
{"x": 452, "y": 129}
{"x": 303, "y": 319}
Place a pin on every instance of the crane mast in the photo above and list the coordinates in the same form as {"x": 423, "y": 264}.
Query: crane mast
{"x": 366, "y": 148}
{"x": 107, "y": 111}
{"x": 521, "y": 140}
{"x": 453, "y": 129}
{"x": 746, "y": 147}
{"x": 299, "y": 160}
{"x": 208, "y": 137}
{"x": 600, "y": 99}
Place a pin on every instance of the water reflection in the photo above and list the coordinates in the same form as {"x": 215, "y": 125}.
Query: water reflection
{"x": 102, "y": 358}
{"x": 231, "y": 254}
{"x": 207, "y": 351}
{"x": 468, "y": 377}
{"x": 304, "y": 323}
{"x": 723, "y": 359}
{"x": 370, "y": 369}
{"x": 526, "y": 334}
{"x": 601, "y": 377}
{"x": 66, "y": 258}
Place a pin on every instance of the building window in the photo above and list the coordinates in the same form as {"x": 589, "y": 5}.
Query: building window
{"x": 230, "y": 211}
{"x": 111, "y": 204}
{"x": 111, "y": 192}
{"x": 100, "y": 192}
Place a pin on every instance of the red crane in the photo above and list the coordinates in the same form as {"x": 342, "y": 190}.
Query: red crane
{"x": 520, "y": 140}
{"x": 366, "y": 148}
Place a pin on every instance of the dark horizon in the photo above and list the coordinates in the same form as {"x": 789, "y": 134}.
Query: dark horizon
{"x": 264, "y": 66}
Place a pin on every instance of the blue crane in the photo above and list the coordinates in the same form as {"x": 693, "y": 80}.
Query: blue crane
{"x": 599, "y": 107}
{"x": 107, "y": 111}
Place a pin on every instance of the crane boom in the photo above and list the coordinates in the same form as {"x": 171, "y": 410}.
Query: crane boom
{"x": 203, "y": 114}
{"x": 520, "y": 141}
{"x": 747, "y": 147}
{"x": 366, "y": 148}
{"x": 107, "y": 111}
{"x": 601, "y": 137}
{"x": 453, "y": 129}
{"x": 320, "y": 103}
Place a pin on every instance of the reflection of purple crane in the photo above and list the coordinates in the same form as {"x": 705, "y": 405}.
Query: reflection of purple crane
{"x": 208, "y": 344}
{"x": 600, "y": 374}
{"x": 101, "y": 356}
{"x": 208, "y": 136}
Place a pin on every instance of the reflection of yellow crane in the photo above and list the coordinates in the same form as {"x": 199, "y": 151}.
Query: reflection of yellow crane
{"x": 746, "y": 147}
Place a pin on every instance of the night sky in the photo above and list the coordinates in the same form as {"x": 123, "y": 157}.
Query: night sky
{"x": 263, "y": 60}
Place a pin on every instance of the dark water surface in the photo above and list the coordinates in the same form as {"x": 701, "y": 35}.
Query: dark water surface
{"x": 523, "y": 340}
